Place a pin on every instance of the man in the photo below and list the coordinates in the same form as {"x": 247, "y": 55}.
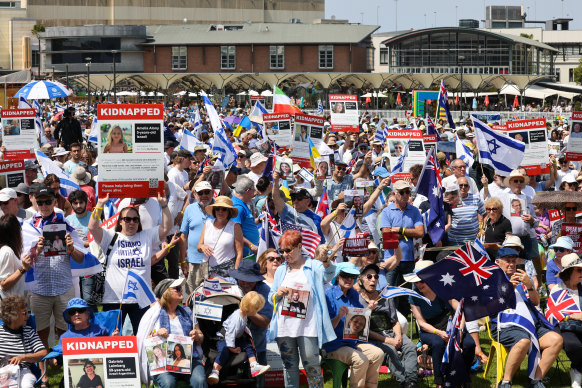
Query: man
{"x": 53, "y": 286}
{"x": 9, "y": 205}
{"x": 563, "y": 171}
{"x": 21, "y": 194}
{"x": 459, "y": 168}
{"x": 178, "y": 174}
{"x": 248, "y": 277}
{"x": 258, "y": 163}
{"x": 60, "y": 155}
{"x": 517, "y": 339}
{"x": 68, "y": 130}
{"x": 299, "y": 213}
{"x": 377, "y": 149}
{"x": 402, "y": 218}
{"x": 30, "y": 172}
{"x": 168, "y": 149}
{"x": 244, "y": 192}
{"x": 200, "y": 153}
{"x": 71, "y": 164}
{"x": 194, "y": 218}
{"x": 467, "y": 215}
{"x": 493, "y": 189}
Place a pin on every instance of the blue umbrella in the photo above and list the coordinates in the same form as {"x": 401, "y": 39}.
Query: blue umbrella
{"x": 43, "y": 90}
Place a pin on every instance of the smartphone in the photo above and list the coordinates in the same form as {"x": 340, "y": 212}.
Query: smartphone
{"x": 520, "y": 266}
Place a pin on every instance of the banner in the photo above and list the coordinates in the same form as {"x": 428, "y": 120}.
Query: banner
{"x": 11, "y": 173}
{"x": 278, "y": 128}
{"x": 355, "y": 246}
{"x": 555, "y": 215}
{"x": 574, "y": 145}
{"x": 573, "y": 231}
{"x": 109, "y": 360}
{"x": 274, "y": 376}
{"x": 533, "y": 134}
{"x": 397, "y": 139}
{"x": 430, "y": 141}
{"x": 306, "y": 127}
{"x": 344, "y": 113}
{"x": 487, "y": 117}
{"x": 19, "y": 133}
{"x": 131, "y": 161}
{"x": 260, "y": 99}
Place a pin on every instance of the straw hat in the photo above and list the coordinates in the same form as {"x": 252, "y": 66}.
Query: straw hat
{"x": 420, "y": 265}
{"x": 223, "y": 201}
{"x": 570, "y": 260}
{"x": 515, "y": 174}
{"x": 80, "y": 176}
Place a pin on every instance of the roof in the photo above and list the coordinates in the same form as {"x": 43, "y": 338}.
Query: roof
{"x": 260, "y": 33}
{"x": 505, "y": 37}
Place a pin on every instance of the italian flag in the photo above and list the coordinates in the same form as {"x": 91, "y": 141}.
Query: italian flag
{"x": 282, "y": 103}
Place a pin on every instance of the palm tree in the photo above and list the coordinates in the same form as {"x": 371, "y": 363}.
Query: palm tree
{"x": 36, "y": 31}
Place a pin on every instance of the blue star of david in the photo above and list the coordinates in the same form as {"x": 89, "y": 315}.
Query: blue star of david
{"x": 132, "y": 285}
{"x": 493, "y": 146}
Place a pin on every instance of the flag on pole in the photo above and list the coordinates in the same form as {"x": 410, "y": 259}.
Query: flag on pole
{"x": 136, "y": 289}
{"x": 431, "y": 129}
{"x": 268, "y": 238}
{"x": 282, "y": 103}
{"x": 319, "y": 108}
{"x": 310, "y": 239}
{"x": 443, "y": 102}
{"x": 197, "y": 123}
{"x": 381, "y": 130}
{"x": 211, "y": 286}
{"x": 348, "y": 226}
{"x": 313, "y": 153}
{"x": 500, "y": 151}
{"x": 464, "y": 153}
{"x": 322, "y": 208}
{"x": 560, "y": 305}
{"x": 211, "y": 113}
{"x": 189, "y": 141}
{"x": 453, "y": 366}
{"x": 269, "y": 168}
{"x": 429, "y": 185}
{"x": 49, "y": 167}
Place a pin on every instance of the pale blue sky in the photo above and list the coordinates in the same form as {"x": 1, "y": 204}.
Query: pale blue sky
{"x": 411, "y": 13}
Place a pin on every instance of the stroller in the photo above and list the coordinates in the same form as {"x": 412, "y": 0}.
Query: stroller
{"x": 236, "y": 372}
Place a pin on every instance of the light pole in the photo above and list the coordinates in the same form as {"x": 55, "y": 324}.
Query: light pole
{"x": 461, "y": 59}
{"x": 67, "y": 80}
{"x": 114, "y": 52}
{"x": 88, "y": 64}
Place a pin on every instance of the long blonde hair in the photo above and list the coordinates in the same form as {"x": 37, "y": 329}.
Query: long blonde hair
{"x": 109, "y": 140}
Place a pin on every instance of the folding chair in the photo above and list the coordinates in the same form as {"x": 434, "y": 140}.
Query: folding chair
{"x": 339, "y": 372}
{"x": 501, "y": 353}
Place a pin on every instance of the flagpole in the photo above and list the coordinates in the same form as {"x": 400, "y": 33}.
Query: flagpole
{"x": 478, "y": 153}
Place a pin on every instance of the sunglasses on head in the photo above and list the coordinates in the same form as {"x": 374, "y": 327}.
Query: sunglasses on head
{"x": 46, "y": 202}
{"x": 273, "y": 258}
{"x": 370, "y": 276}
{"x": 127, "y": 220}
{"x": 72, "y": 312}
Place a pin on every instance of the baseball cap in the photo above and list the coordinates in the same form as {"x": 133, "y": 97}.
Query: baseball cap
{"x": 204, "y": 185}
{"x": 506, "y": 252}
{"x": 44, "y": 191}
{"x": 30, "y": 165}
{"x": 400, "y": 185}
{"x": 7, "y": 194}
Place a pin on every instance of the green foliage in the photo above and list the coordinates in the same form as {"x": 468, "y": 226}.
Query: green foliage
{"x": 578, "y": 73}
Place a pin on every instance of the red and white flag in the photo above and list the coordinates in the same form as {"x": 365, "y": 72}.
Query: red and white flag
{"x": 310, "y": 239}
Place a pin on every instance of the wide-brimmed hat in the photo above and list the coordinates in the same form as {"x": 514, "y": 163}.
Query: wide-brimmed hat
{"x": 515, "y": 174}
{"x": 571, "y": 260}
{"x": 381, "y": 172}
{"x": 223, "y": 201}
{"x": 60, "y": 151}
{"x": 512, "y": 241}
{"x": 80, "y": 176}
{"x": 420, "y": 265}
{"x": 257, "y": 158}
{"x": 76, "y": 303}
{"x": 563, "y": 242}
{"x": 167, "y": 283}
{"x": 247, "y": 271}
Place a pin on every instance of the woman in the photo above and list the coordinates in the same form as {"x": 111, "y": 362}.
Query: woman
{"x": 19, "y": 343}
{"x": 128, "y": 246}
{"x": 179, "y": 356}
{"x": 323, "y": 168}
{"x": 165, "y": 317}
{"x": 433, "y": 319}
{"x": 90, "y": 379}
{"x": 87, "y": 158}
{"x": 221, "y": 240}
{"x": 54, "y": 183}
{"x": 569, "y": 210}
{"x": 496, "y": 226}
{"x": 269, "y": 262}
{"x": 12, "y": 269}
{"x": 159, "y": 357}
{"x": 571, "y": 276}
{"x": 115, "y": 143}
{"x": 295, "y": 335}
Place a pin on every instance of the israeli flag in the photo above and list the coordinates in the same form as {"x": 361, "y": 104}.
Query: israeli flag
{"x": 23, "y": 104}
{"x": 197, "y": 124}
{"x": 319, "y": 107}
{"x": 348, "y": 227}
{"x": 38, "y": 118}
{"x": 223, "y": 147}
{"x": 211, "y": 112}
{"x": 94, "y": 134}
{"x": 464, "y": 153}
{"x": 258, "y": 110}
{"x": 380, "y": 134}
{"x": 399, "y": 166}
{"x": 500, "y": 151}
{"x": 49, "y": 167}
{"x": 137, "y": 289}
{"x": 189, "y": 141}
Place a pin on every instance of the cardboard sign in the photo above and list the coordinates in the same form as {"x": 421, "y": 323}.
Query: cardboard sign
{"x": 344, "y": 113}
{"x": 574, "y": 146}
{"x": 11, "y": 173}
{"x": 357, "y": 246}
{"x": 555, "y": 215}
{"x": 430, "y": 142}
{"x": 261, "y": 99}
{"x": 113, "y": 360}
{"x": 278, "y": 128}
{"x": 399, "y": 176}
{"x": 573, "y": 231}
{"x": 274, "y": 376}
{"x": 533, "y": 133}
{"x": 19, "y": 133}
{"x": 306, "y": 127}
{"x": 397, "y": 140}
{"x": 131, "y": 161}
{"x": 357, "y": 324}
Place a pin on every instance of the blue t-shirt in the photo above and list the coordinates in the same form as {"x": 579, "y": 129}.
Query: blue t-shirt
{"x": 409, "y": 219}
{"x": 192, "y": 223}
{"x": 259, "y": 333}
{"x": 552, "y": 271}
{"x": 335, "y": 299}
{"x": 94, "y": 330}
{"x": 247, "y": 222}
{"x": 80, "y": 224}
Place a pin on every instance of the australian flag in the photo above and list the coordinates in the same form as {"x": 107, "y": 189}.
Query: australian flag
{"x": 469, "y": 273}
{"x": 443, "y": 101}
{"x": 453, "y": 366}
{"x": 269, "y": 168}
{"x": 431, "y": 129}
{"x": 560, "y": 305}
{"x": 429, "y": 185}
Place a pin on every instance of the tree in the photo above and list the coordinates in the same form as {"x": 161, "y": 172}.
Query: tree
{"x": 578, "y": 73}
{"x": 36, "y": 31}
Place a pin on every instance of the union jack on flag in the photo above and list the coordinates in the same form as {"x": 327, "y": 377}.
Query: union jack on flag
{"x": 310, "y": 239}
{"x": 560, "y": 305}
{"x": 351, "y": 165}
{"x": 202, "y": 165}
{"x": 474, "y": 263}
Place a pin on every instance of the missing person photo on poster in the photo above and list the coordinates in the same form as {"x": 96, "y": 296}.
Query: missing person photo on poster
{"x": 357, "y": 324}
{"x": 355, "y": 199}
{"x": 9, "y": 376}
{"x": 324, "y": 167}
{"x": 518, "y": 208}
{"x": 296, "y": 301}
{"x": 179, "y": 354}
{"x": 86, "y": 372}
{"x": 285, "y": 168}
{"x": 55, "y": 239}
{"x": 156, "y": 348}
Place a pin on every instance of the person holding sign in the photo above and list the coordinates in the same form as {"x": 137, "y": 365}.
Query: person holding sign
{"x": 297, "y": 333}
{"x": 130, "y": 248}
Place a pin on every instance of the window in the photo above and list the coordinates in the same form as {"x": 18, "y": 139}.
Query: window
{"x": 570, "y": 75}
{"x": 228, "y": 57}
{"x": 277, "y": 57}
{"x": 383, "y": 55}
{"x": 326, "y": 57}
{"x": 179, "y": 57}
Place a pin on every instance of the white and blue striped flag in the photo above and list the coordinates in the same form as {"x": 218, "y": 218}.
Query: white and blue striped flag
{"x": 49, "y": 167}
{"x": 189, "y": 141}
{"x": 136, "y": 289}
{"x": 319, "y": 108}
{"x": 500, "y": 151}
{"x": 348, "y": 227}
{"x": 381, "y": 130}
{"x": 392, "y": 292}
{"x": 94, "y": 134}
{"x": 197, "y": 123}
{"x": 399, "y": 166}
{"x": 464, "y": 153}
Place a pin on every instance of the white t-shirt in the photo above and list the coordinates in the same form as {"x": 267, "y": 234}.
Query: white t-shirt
{"x": 175, "y": 202}
{"x": 9, "y": 264}
{"x": 292, "y": 326}
{"x": 178, "y": 177}
{"x": 133, "y": 252}
{"x": 221, "y": 241}
{"x": 254, "y": 177}
{"x": 150, "y": 212}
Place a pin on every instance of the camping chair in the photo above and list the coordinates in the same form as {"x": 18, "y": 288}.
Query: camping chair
{"x": 500, "y": 351}
{"x": 339, "y": 372}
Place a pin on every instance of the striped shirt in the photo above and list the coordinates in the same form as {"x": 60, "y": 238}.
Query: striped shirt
{"x": 19, "y": 342}
{"x": 465, "y": 225}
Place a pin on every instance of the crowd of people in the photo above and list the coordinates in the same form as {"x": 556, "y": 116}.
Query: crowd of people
{"x": 208, "y": 225}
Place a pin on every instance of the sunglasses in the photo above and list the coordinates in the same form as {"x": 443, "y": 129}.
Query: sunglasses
{"x": 221, "y": 209}
{"x": 47, "y": 202}
{"x": 278, "y": 258}
{"x": 2, "y": 203}
{"x": 561, "y": 250}
{"x": 464, "y": 167}
{"x": 567, "y": 208}
{"x": 204, "y": 192}
{"x": 287, "y": 250}
{"x": 492, "y": 209}
{"x": 517, "y": 181}
{"x": 340, "y": 168}
{"x": 403, "y": 192}
{"x": 347, "y": 276}
{"x": 127, "y": 220}
{"x": 463, "y": 185}
{"x": 370, "y": 276}
{"x": 564, "y": 162}
{"x": 178, "y": 289}
{"x": 72, "y": 312}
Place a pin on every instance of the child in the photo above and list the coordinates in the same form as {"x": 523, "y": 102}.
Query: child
{"x": 233, "y": 332}
{"x": 115, "y": 143}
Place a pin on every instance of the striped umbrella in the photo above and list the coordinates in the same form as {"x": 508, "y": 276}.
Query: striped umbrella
{"x": 43, "y": 90}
